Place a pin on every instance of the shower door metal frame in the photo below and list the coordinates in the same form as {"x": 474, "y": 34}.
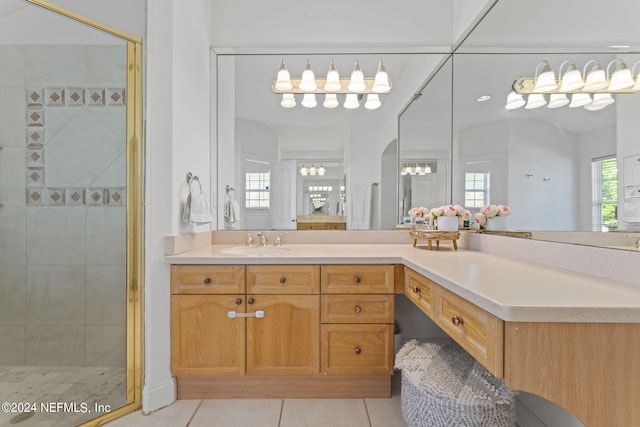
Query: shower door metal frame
{"x": 135, "y": 213}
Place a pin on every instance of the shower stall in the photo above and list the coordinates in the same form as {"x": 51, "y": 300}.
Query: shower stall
{"x": 67, "y": 309}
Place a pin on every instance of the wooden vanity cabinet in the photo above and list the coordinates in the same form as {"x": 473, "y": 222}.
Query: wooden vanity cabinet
{"x": 357, "y": 319}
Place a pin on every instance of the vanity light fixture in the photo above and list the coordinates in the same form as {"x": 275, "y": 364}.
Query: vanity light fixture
{"x": 312, "y": 171}
{"x": 592, "y": 89}
{"x": 332, "y": 85}
{"x": 416, "y": 169}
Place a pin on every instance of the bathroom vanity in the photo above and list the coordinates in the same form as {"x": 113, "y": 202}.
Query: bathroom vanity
{"x": 326, "y": 327}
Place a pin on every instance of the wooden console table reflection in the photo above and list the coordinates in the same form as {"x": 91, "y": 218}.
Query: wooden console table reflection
{"x": 435, "y": 235}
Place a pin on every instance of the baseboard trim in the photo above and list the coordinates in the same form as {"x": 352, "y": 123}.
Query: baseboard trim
{"x": 158, "y": 396}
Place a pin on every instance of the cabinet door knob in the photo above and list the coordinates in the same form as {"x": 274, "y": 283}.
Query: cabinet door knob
{"x": 457, "y": 320}
{"x": 357, "y": 309}
{"x": 357, "y": 350}
{"x": 250, "y": 300}
{"x": 207, "y": 281}
{"x": 282, "y": 280}
{"x": 416, "y": 290}
{"x": 238, "y": 301}
{"x": 357, "y": 279}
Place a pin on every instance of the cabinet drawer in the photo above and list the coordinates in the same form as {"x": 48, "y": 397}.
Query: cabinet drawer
{"x": 419, "y": 290}
{"x": 283, "y": 279}
{"x": 477, "y": 331}
{"x": 207, "y": 279}
{"x": 357, "y": 308}
{"x": 357, "y": 279}
{"x": 357, "y": 350}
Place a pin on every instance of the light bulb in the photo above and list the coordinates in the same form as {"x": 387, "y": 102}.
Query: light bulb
{"x": 357, "y": 80}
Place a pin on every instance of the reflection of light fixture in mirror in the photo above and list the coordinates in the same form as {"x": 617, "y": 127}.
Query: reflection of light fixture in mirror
{"x": 635, "y": 87}
{"x": 600, "y": 100}
{"x": 546, "y": 79}
{"x": 284, "y": 79}
{"x": 357, "y": 79}
{"x": 333, "y": 79}
{"x": 535, "y": 100}
{"x": 557, "y": 100}
{"x": 351, "y": 102}
{"x": 416, "y": 169}
{"x": 330, "y": 101}
{"x": 303, "y": 171}
{"x": 309, "y": 100}
{"x": 321, "y": 170}
{"x": 594, "y": 79}
{"x": 381, "y": 83}
{"x": 514, "y": 101}
{"x": 308, "y": 83}
{"x": 312, "y": 171}
{"x": 580, "y": 100}
{"x": 621, "y": 77}
{"x": 571, "y": 79}
{"x": 373, "y": 102}
{"x": 288, "y": 100}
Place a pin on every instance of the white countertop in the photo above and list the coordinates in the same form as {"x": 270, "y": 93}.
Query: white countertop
{"x": 511, "y": 290}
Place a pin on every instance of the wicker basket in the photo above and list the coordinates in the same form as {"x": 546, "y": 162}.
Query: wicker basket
{"x": 443, "y": 386}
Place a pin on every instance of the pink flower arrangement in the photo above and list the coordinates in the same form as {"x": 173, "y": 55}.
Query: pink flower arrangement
{"x": 450, "y": 210}
{"x": 420, "y": 212}
{"x": 490, "y": 211}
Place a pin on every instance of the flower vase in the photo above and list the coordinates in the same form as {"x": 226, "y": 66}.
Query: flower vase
{"x": 497, "y": 223}
{"x": 447, "y": 223}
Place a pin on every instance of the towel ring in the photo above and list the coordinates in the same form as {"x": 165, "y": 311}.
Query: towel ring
{"x": 228, "y": 188}
{"x": 191, "y": 177}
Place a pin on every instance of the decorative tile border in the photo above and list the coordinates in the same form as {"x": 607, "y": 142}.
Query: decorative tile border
{"x": 37, "y": 100}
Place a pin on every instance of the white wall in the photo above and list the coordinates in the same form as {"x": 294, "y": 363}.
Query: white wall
{"x": 628, "y": 129}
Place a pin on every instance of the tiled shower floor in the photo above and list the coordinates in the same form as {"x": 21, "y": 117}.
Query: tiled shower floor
{"x": 56, "y": 386}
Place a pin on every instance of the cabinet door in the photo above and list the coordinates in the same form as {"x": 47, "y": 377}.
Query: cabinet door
{"x": 204, "y": 340}
{"x": 286, "y": 340}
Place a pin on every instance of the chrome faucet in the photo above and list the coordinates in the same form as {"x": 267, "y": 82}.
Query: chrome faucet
{"x": 277, "y": 241}
{"x": 249, "y": 240}
{"x": 262, "y": 238}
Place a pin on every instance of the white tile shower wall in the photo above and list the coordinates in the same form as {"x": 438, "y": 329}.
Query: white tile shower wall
{"x": 63, "y": 188}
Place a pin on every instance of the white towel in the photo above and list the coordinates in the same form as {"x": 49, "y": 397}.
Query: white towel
{"x": 631, "y": 211}
{"x": 196, "y": 208}
{"x": 359, "y": 207}
{"x": 231, "y": 208}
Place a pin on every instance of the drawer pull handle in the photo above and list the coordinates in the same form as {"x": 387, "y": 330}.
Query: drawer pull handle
{"x": 457, "y": 320}
{"x": 416, "y": 290}
{"x": 357, "y": 279}
{"x": 357, "y": 350}
{"x": 207, "y": 281}
{"x": 282, "y": 280}
{"x": 238, "y": 301}
{"x": 250, "y": 300}
{"x": 357, "y": 309}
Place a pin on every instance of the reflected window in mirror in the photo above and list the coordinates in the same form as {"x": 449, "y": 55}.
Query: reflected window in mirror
{"x": 476, "y": 190}
{"x": 604, "y": 173}
{"x": 257, "y": 183}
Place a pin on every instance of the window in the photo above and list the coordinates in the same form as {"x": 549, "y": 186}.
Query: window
{"x": 476, "y": 189}
{"x": 257, "y": 190}
{"x": 604, "y": 179}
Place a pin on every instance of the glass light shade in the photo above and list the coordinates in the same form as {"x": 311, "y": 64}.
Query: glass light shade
{"x": 283, "y": 81}
{"x": 600, "y": 100}
{"x": 351, "y": 102}
{"x": 288, "y": 100}
{"x": 636, "y": 87}
{"x": 595, "y": 79}
{"x": 571, "y": 80}
{"x": 621, "y": 77}
{"x": 309, "y": 100}
{"x": 535, "y": 100}
{"x": 427, "y": 169}
{"x": 580, "y": 100}
{"x": 404, "y": 171}
{"x": 357, "y": 80}
{"x": 303, "y": 172}
{"x": 373, "y": 102}
{"x": 381, "y": 83}
{"x": 312, "y": 170}
{"x": 321, "y": 170}
{"x": 308, "y": 82}
{"x": 514, "y": 101}
{"x": 557, "y": 100}
{"x": 546, "y": 80}
{"x": 333, "y": 80}
{"x": 330, "y": 101}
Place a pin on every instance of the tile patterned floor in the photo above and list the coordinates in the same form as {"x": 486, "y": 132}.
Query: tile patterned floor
{"x": 274, "y": 413}
{"x": 50, "y": 385}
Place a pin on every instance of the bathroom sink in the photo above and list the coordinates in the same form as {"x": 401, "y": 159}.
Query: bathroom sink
{"x": 256, "y": 250}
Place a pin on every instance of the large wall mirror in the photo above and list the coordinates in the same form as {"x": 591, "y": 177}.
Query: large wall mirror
{"x": 262, "y": 146}
{"x": 568, "y": 174}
